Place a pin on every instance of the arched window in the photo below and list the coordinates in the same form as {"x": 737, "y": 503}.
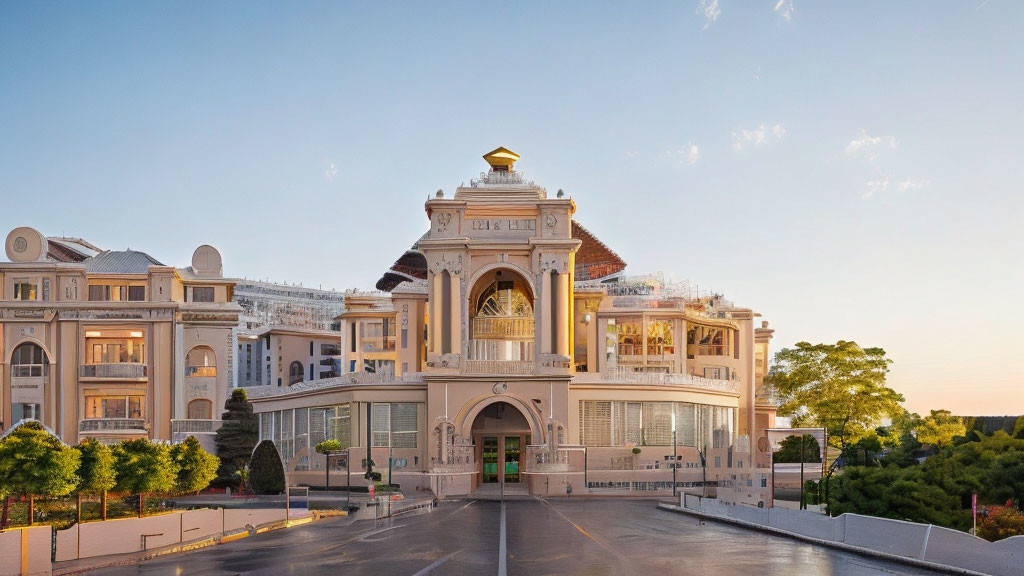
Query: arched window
{"x": 503, "y": 308}
{"x": 200, "y": 409}
{"x": 201, "y": 361}
{"x": 29, "y": 360}
{"x": 295, "y": 373}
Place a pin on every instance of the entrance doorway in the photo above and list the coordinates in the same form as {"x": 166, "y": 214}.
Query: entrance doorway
{"x": 501, "y": 435}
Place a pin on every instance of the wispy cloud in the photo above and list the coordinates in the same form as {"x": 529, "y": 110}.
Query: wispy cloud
{"x": 710, "y": 11}
{"x": 886, "y": 183}
{"x": 331, "y": 172}
{"x": 868, "y": 146}
{"x": 757, "y": 136}
{"x": 632, "y": 153}
{"x": 690, "y": 154}
{"x": 785, "y": 9}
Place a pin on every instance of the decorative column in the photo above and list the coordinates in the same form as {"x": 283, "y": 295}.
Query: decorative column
{"x": 434, "y": 345}
{"x": 455, "y": 306}
{"x": 563, "y": 315}
{"x": 546, "y": 346}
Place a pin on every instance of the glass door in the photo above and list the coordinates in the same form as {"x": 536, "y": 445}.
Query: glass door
{"x": 489, "y": 459}
{"x": 512, "y": 455}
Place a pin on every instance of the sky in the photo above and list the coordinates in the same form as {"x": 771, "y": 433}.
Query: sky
{"x": 845, "y": 169}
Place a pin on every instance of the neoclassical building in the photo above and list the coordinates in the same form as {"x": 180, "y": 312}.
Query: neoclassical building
{"x": 507, "y": 346}
{"x": 113, "y": 344}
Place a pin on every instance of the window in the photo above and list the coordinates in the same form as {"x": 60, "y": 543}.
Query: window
{"x": 200, "y": 409}
{"x": 114, "y": 406}
{"x": 136, "y": 293}
{"x": 395, "y": 425}
{"x": 202, "y": 294}
{"x": 21, "y": 411}
{"x": 99, "y": 292}
{"x": 295, "y": 373}
{"x": 23, "y": 290}
{"x": 114, "y": 347}
{"x": 619, "y": 423}
{"x": 201, "y": 361}
{"x": 28, "y": 360}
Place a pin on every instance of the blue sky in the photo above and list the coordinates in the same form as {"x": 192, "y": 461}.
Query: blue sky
{"x": 845, "y": 169}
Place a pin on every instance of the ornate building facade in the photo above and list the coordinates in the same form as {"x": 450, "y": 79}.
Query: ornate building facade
{"x": 113, "y": 344}
{"x": 506, "y": 347}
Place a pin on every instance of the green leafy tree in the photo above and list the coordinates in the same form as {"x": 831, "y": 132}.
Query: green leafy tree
{"x": 840, "y": 387}
{"x": 266, "y": 473}
{"x": 34, "y": 462}
{"x": 196, "y": 467}
{"x": 939, "y": 428}
{"x": 789, "y": 450}
{"x": 1018, "y": 428}
{"x": 97, "y": 467}
{"x": 236, "y": 437}
{"x": 143, "y": 467}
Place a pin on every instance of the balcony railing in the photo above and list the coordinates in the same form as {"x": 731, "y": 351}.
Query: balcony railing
{"x": 378, "y": 343}
{"x": 503, "y": 328}
{"x": 200, "y": 371}
{"x": 119, "y": 370}
{"x": 195, "y": 426}
{"x": 629, "y": 376}
{"x": 767, "y": 396}
{"x": 512, "y": 357}
{"x": 706, "y": 350}
{"x": 112, "y": 425}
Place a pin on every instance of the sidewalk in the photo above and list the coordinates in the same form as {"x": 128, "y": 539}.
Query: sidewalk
{"x": 97, "y": 562}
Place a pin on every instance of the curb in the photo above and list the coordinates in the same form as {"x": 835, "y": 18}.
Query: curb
{"x": 828, "y": 543}
{"x": 190, "y": 546}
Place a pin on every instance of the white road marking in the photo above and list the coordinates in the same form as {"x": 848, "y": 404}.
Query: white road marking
{"x": 435, "y": 564}
{"x": 502, "y": 552}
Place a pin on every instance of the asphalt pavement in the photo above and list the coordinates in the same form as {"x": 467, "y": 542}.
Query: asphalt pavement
{"x": 586, "y": 536}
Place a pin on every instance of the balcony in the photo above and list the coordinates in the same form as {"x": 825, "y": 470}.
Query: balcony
{"x": 378, "y": 343}
{"x": 135, "y": 425}
{"x": 503, "y": 357}
{"x": 200, "y": 371}
{"x": 498, "y": 328}
{"x": 767, "y": 396}
{"x": 629, "y": 376}
{"x": 187, "y": 427}
{"x": 706, "y": 350}
{"x": 120, "y": 370}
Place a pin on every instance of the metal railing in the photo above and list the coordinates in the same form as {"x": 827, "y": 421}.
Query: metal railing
{"x": 460, "y": 460}
{"x": 378, "y": 343}
{"x": 510, "y": 357}
{"x": 503, "y": 328}
{"x": 112, "y": 425}
{"x": 195, "y": 426}
{"x": 629, "y": 376}
{"x": 542, "y": 459}
{"x": 766, "y": 395}
{"x": 706, "y": 350}
{"x": 118, "y": 370}
{"x": 200, "y": 371}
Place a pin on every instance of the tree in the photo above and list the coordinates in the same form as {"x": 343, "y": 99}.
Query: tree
{"x": 96, "y": 471}
{"x": 34, "y": 462}
{"x": 196, "y": 467}
{"x": 789, "y": 450}
{"x": 142, "y": 467}
{"x": 236, "y": 437}
{"x": 840, "y": 387}
{"x": 325, "y": 448}
{"x": 939, "y": 428}
{"x": 266, "y": 473}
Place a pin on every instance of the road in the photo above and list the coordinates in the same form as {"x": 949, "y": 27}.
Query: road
{"x": 592, "y": 537}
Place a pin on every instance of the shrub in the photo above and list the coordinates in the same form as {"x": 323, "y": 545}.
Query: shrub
{"x": 266, "y": 473}
{"x": 998, "y": 522}
{"x": 196, "y": 467}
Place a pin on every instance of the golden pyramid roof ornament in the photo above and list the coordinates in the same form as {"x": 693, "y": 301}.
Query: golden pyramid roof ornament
{"x": 501, "y": 158}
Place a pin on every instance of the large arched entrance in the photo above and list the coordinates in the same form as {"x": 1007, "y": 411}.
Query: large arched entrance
{"x": 501, "y": 434}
